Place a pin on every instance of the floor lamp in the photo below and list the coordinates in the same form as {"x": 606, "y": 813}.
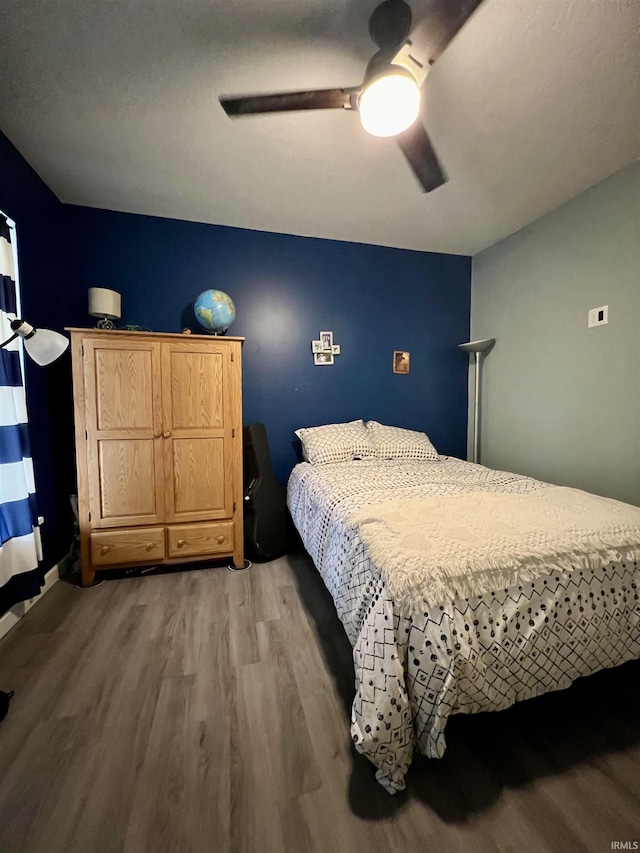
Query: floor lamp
{"x": 479, "y": 349}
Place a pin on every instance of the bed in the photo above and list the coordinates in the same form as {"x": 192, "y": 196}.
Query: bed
{"x": 468, "y": 644}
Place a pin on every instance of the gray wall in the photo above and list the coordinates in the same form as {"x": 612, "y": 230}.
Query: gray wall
{"x": 561, "y": 402}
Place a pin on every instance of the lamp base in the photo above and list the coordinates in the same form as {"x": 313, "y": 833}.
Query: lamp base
{"x": 105, "y": 323}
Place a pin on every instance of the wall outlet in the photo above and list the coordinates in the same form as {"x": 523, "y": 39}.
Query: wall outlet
{"x": 598, "y": 316}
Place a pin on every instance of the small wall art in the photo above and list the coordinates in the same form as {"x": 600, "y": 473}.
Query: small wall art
{"x": 327, "y": 341}
{"x": 401, "y": 360}
{"x": 324, "y": 350}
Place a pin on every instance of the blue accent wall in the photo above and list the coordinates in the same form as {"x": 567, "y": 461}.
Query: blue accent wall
{"x": 286, "y": 290}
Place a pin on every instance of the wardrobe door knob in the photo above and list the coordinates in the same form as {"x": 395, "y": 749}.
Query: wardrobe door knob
{"x": 157, "y": 435}
{"x": 166, "y": 434}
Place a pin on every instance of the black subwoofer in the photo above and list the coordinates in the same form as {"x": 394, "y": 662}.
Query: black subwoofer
{"x": 265, "y": 510}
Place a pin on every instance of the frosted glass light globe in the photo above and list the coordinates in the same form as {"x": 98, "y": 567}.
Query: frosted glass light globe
{"x": 389, "y": 104}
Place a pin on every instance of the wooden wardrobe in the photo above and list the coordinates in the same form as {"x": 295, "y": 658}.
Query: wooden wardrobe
{"x": 158, "y": 421}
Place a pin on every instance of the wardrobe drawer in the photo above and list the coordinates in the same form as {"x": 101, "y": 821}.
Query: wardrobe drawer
{"x": 197, "y": 540}
{"x": 127, "y": 546}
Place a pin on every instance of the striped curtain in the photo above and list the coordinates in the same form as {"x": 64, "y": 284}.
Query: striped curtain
{"x": 20, "y": 548}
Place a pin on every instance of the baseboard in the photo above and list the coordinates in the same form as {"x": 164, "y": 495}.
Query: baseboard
{"x": 15, "y": 614}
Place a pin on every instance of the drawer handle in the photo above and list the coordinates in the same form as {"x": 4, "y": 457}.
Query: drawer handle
{"x": 148, "y": 546}
{"x": 180, "y": 543}
{"x": 220, "y": 540}
{"x": 166, "y": 434}
{"x": 104, "y": 549}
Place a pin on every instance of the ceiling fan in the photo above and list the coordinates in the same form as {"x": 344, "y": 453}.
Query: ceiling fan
{"x": 389, "y": 98}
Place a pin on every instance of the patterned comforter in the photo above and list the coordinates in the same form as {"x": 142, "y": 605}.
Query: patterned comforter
{"x": 480, "y": 653}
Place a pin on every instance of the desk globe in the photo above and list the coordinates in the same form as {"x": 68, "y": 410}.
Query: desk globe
{"x": 214, "y": 310}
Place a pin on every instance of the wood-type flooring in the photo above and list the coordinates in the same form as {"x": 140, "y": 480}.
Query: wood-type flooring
{"x": 203, "y": 711}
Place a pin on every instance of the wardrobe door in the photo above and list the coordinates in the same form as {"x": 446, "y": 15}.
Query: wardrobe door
{"x": 201, "y": 428}
{"x": 123, "y": 431}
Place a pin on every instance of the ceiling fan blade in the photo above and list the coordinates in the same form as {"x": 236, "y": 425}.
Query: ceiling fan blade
{"x": 416, "y": 147}
{"x": 318, "y": 99}
{"x": 439, "y": 22}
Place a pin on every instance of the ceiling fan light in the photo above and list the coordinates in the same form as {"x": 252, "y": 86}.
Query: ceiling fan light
{"x": 389, "y": 104}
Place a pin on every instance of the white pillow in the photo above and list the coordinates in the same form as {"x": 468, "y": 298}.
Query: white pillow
{"x": 335, "y": 442}
{"x": 396, "y": 443}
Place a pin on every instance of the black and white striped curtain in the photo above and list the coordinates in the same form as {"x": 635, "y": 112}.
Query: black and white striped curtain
{"x": 20, "y": 548}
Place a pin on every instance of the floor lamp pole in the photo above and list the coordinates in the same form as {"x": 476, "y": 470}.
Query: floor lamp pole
{"x": 476, "y": 410}
{"x": 478, "y": 348}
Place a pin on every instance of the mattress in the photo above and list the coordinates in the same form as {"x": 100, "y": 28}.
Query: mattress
{"x": 479, "y": 653}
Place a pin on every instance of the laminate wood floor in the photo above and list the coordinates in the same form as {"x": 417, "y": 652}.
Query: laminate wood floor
{"x": 209, "y": 711}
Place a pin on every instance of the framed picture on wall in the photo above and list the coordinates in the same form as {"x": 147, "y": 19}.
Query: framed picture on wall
{"x": 327, "y": 341}
{"x": 316, "y": 346}
{"x": 323, "y": 358}
{"x": 401, "y": 360}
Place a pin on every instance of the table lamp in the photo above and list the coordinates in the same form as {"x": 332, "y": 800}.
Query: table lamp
{"x": 106, "y": 304}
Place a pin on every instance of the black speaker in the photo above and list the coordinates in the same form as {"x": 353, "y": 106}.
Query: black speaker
{"x": 265, "y": 508}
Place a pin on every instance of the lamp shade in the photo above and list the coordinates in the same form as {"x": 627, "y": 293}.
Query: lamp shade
{"x": 105, "y": 303}
{"x": 42, "y": 345}
{"x": 478, "y": 346}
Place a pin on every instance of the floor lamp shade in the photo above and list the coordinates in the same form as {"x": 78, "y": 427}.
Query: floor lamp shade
{"x": 106, "y": 304}
{"x": 42, "y": 345}
{"x": 478, "y": 349}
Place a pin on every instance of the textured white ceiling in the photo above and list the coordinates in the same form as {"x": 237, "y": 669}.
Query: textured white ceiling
{"x": 114, "y": 103}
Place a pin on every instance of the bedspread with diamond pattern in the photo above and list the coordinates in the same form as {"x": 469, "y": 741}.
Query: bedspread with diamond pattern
{"x": 463, "y": 656}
